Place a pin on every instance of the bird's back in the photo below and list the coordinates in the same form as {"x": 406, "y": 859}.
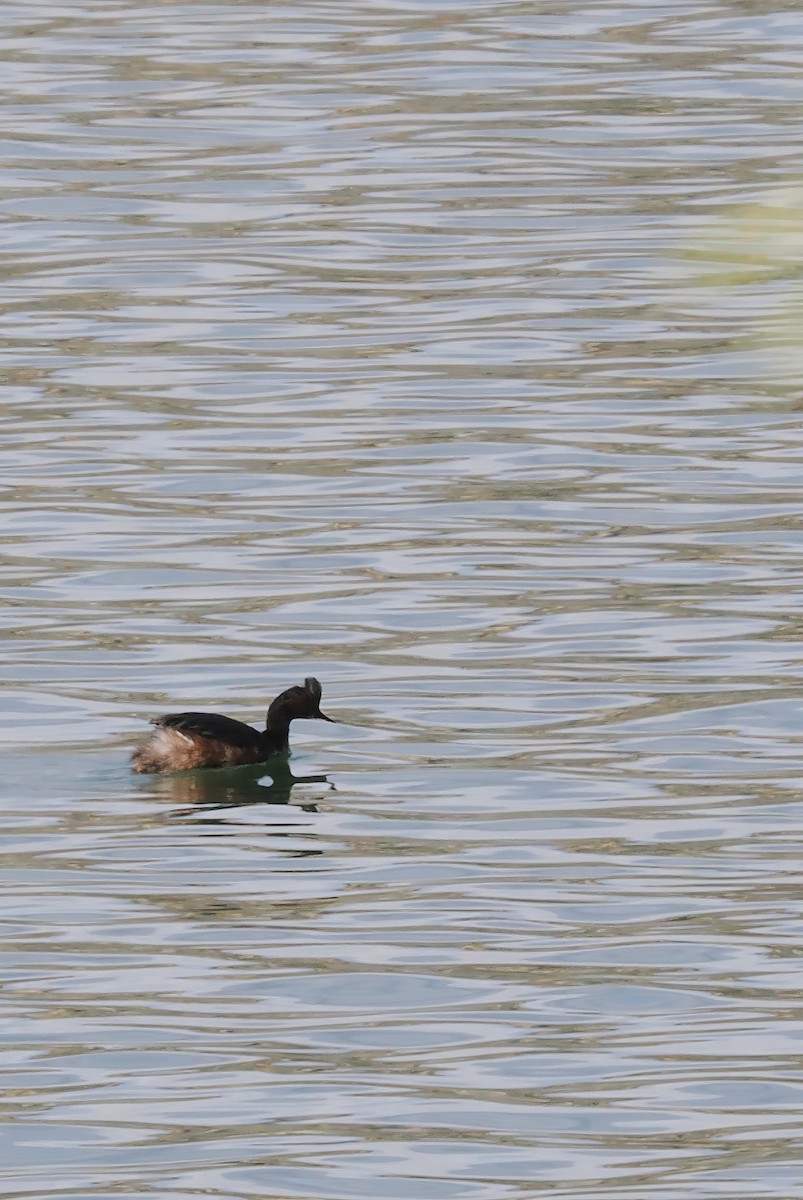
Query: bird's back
{"x": 185, "y": 741}
{"x": 211, "y": 725}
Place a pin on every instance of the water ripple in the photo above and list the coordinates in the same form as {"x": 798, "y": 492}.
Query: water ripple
{"x": 413, "y": 345}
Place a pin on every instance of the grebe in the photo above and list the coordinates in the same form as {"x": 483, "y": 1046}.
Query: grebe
{"x": 185, "y": 741}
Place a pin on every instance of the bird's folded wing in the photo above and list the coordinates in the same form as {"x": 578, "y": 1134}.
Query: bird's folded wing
{"x": 211, "y": 725}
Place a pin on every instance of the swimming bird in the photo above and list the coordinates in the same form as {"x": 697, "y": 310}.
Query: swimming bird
{"x": 185, "y": 741}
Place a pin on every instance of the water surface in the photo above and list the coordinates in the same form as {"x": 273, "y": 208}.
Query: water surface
{"x": 381, "y": 342}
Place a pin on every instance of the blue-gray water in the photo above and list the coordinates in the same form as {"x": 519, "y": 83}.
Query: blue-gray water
{"x": 381, "y": 341}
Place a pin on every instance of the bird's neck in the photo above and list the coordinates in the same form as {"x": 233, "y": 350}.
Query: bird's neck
{"x": 277, "y": 729}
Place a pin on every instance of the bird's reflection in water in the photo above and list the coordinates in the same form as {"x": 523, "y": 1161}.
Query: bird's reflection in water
{"x": 205, "y": 792}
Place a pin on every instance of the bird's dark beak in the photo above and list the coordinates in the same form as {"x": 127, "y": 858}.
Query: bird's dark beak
{"x": 323, "y": 717}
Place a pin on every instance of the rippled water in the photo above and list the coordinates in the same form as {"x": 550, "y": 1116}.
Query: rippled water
{"x": 381, "y": 341}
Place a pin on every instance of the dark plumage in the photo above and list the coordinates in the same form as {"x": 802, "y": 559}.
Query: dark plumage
{"x": 185, "y": 741}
